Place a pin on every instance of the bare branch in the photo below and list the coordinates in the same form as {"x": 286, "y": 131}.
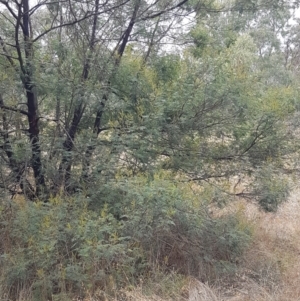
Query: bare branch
{"x": 164, "y": 11}
{"x": 13, "y": 109}
{"x": 76, "y": 21}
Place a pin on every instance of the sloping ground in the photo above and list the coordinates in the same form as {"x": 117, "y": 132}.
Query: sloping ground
{"x": 275, "y": 253}
{"x": 270, "y": 269}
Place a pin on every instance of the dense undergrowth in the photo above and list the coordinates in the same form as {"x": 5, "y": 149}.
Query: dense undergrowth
{"x": 79, "y": 247}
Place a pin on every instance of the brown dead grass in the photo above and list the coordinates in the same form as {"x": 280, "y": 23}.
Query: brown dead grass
{"x": 270, "y": 268}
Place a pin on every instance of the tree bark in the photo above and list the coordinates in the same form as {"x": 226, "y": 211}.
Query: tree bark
{"x": 68, "y": 145}
{"x": 32, "y": 104}
{"x": 97, "y": 123}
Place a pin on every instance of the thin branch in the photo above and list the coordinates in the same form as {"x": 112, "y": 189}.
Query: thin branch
{"x": 9, "y": 9}
{"x": 86, "y": 16}
{"x": 18, "y": 47}
{"x": 164, "y": 11}
{"x": 6, "y": 54}
{"x": 36, "y": 7}
{"x": 14, "y": 110}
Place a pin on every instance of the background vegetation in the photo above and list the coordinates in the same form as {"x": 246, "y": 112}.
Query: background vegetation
{"x": 127, "y": 130}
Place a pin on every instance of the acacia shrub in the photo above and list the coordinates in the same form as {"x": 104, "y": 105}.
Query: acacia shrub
{"x": 57, "y": 249}
{"x": 173, "y": 229}
{"x": 78, "y": 246}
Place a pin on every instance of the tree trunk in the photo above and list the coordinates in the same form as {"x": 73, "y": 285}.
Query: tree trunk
{"x": 32, "y": 104}
{"x": 97, "y": 123}
{"x": 68, "y": 145}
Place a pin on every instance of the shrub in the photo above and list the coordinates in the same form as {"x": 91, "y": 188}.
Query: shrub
{"x": 172, "y": 228}
{"x": 63, "y": 248}
{"x": 59, "y": 248}
{"x": 270, "y": 189}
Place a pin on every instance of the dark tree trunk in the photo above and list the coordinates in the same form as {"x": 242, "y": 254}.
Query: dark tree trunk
{"x": 68, "y": 145}
{"x": 32, "y": 104}
{"x": 97, "y": 123}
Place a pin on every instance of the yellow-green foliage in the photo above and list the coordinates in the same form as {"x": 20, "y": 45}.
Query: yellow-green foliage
{"x": 57, "y": 248}
{"x": 64, "y": 248}
{"x": 170, "y": 223}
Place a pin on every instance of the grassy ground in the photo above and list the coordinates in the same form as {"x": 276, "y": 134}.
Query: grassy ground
{"x": 269, "y": 270}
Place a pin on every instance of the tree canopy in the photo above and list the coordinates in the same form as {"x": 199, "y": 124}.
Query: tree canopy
{"x": 95, "y": 91}
{"x": 125, "y": 125}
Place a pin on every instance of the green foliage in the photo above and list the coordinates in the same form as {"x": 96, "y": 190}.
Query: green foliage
{"x": 136, "y": 142}
{"x": 166, "y": 68}
{"x": 59, "y": 248}
{"x": 170, "y": 225}
{"x": 270, "y": 189}
{"x": 64, "y": 249}
{"x": 201, "y": 40}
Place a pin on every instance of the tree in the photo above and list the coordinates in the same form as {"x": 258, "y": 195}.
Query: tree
{"x": 101, "y": 98}
{"x": 48, "y": 25}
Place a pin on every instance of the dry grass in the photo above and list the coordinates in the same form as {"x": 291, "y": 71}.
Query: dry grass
{"x": 193, "y": 290}
{"x": 269, "y": 270}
